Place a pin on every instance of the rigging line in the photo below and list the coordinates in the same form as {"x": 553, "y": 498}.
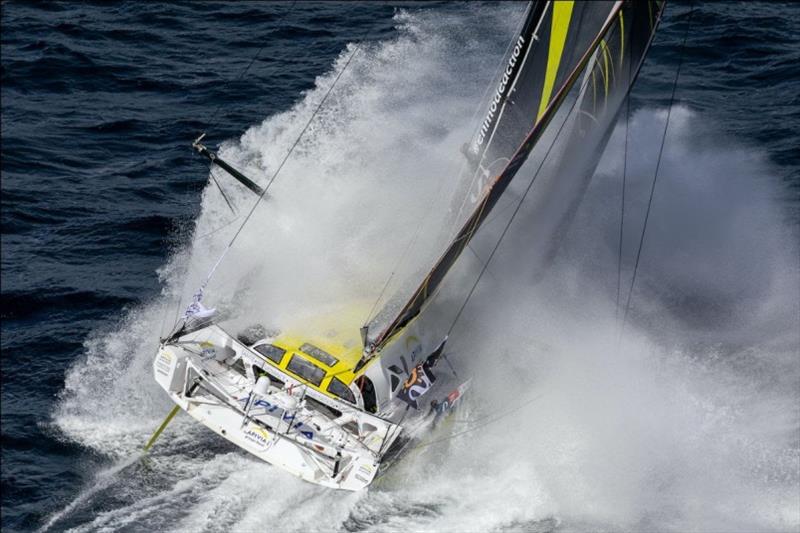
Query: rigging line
{"x": 497, "y": 213}
{"x": 433, "y": 197}
{"x": 425, "y": 292}
{"x": 475, "y": 427}
{"x": 178, "y": 306}
{"x": 221, "y": 191}
{"x": 655, "y": 175}
{"x": 368, "y": 319}
{"x": 222, "y": 227}
{"x": 211, "y": 122}
{"x": 462, "y": 168}
{"x": 508, "y": 103}
{"x": 395, "y": 430}
{"x": 187, "y": 196}
{"x": 516, "y": 210}
{"x": 410, "y": 244}
{"x": 162, "y": 323}
{"x": 272, "y": 179}
{"x": 299, "y": 137}
{"x": 413, "y": 240}
{"x": 624, "y": 182}
{"x": 428, "y": 209}
{"x": 482, "y": 107}
{"x": 405, "y": 254}
{"x": 622, "y": 215}
{"x": 283, "y": 162}
{"x": 478, "y": 257}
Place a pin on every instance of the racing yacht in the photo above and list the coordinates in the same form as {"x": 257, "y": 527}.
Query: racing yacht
{"x": 301, "y": 401}
{"x": 334, "y": 401}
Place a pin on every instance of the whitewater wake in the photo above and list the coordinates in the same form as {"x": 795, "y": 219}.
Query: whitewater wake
{"x": 689, "y": 423}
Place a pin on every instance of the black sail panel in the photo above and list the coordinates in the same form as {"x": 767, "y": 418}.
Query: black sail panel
{"x": 594, "y": 106}
{"x": 506, "y": 86}
{"x": 560, "y": 33}
{"x": 567, "y": 44}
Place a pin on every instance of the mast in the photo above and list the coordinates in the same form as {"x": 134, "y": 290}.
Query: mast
{"x": 564, "y": 37}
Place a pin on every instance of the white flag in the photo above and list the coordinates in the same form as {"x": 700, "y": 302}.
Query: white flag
{"x": 196, "y": 309}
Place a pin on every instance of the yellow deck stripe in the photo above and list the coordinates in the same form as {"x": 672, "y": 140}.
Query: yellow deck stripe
{"x": 562, "y": 13}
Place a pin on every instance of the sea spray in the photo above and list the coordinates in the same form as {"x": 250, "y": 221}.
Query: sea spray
{"x": 690, "y": 420}
{"x": 655, "y": 434}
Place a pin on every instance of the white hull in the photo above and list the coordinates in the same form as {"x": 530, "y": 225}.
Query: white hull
{"x": 319, "y": 439}
{"x": 282, "y": 452}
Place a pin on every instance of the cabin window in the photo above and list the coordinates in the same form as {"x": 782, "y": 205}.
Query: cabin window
{"x": 306, "y": 370}
{"x": 340, "y": 390}
{"x": 320, "y": 355}
{"x": 368, "y": 394}
{"x": 273, "y": 353}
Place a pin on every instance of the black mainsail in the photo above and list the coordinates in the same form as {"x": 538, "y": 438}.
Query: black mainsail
{"x": 600, "y": 44}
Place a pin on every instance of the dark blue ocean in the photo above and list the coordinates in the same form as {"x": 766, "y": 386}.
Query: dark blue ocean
{"x": 101, "y": 197}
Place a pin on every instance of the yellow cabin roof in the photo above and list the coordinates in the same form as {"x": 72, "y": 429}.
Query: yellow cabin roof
{"x": 336, "y": 334}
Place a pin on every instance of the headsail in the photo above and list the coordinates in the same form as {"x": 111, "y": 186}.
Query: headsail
{"x": 559, "y": 42}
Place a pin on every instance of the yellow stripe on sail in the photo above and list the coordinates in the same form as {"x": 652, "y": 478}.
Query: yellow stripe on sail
{"x": 562, "y": 13}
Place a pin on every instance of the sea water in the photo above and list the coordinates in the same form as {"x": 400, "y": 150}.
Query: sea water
{"x": 688, "y": 420}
